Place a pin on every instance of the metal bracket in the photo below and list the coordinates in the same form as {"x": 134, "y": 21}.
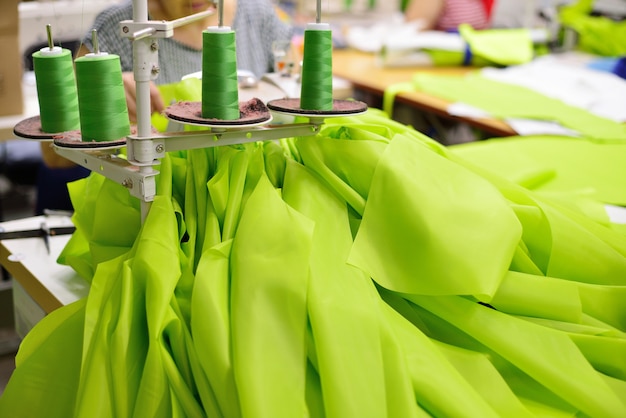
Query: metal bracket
{"x": 139, "y": 183}
{"x": 138, "y": 174}
{"x": 157, "y": 28}
{"x": 176, "y": 141}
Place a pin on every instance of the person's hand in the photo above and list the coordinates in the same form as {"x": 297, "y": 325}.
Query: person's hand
{"x": 156, "y": 102}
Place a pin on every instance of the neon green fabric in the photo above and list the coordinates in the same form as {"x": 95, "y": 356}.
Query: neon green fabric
{"x": 366, "y": 271}
{"x": 499, "y": 46}
{"x": 98, "y": 239}
{"x": 48, "y": 367}
{"x": 459, "y": 195}
{"x": 584, "y": 175}
{"x": 554, "y": 164}
{"x": 596, "y": 34}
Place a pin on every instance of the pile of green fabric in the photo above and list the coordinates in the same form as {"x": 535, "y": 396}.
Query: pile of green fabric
{"x": 364, "y": 272}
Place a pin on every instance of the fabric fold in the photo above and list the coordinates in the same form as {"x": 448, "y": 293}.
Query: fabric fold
{"x": 364, "y": 271}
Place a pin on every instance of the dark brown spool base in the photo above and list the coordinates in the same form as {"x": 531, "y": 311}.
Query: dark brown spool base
{"x": 74, "y": 139}
{"x": 252, "y": 112}
{"x": 31, "y": 129}
{"x": 340, "y": 108}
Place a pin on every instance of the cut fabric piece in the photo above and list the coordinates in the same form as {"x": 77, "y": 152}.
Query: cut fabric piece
{"x": 499, "y": 46}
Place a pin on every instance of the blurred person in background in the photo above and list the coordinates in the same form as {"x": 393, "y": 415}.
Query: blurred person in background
{"x": 447, "y": 15}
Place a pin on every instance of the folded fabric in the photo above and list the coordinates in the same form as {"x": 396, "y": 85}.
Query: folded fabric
{"x": 364, "y": 272}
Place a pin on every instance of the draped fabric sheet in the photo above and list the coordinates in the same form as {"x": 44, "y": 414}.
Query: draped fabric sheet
{"x": 364, "y": 272}
{"x": 554, "y": 164}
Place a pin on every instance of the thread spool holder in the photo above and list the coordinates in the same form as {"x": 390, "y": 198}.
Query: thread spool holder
{"x": 145, "y": 147}
{"x": 136, "y": 173}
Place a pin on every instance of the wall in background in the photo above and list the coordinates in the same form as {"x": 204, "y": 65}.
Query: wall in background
{"x": 70, "y": 20}
{"x": 308, "y": 7}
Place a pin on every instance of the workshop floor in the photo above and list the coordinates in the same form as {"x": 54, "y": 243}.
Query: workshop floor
{"x": 15, "y": 203}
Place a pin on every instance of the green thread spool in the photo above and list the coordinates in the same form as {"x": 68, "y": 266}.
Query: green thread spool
{"x": 220, "y": 90}
{"x": 56, "y": 90}
{"x": 101, "y": 98}
{"x": 316, "y": 92}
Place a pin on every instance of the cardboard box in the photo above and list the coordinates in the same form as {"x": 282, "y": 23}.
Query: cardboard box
{"x": 11, "y": 102}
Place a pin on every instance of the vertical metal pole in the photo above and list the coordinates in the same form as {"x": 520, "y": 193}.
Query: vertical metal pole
{"x": 94, "y": 41}
{"x": 142, "y": 75}
{"x": 220, "y": 13}
{"x": 142, "y": 71}
{"x": 318, "y": 13}
{"x": 49, "y": 32}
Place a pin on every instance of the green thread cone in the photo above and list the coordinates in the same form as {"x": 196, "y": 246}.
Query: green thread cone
{"x": 56, "y": 90}
{"x": 101, "y": 98}
{"x": 220, "y": 94}
{"x": 316, "y": 92}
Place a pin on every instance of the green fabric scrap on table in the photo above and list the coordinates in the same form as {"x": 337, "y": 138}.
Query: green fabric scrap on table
{"x": 503, "y": 100}
{"x": 488, "y": 47}
{"x": 367, "y": 271}
{"x": 499, "y": 46}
